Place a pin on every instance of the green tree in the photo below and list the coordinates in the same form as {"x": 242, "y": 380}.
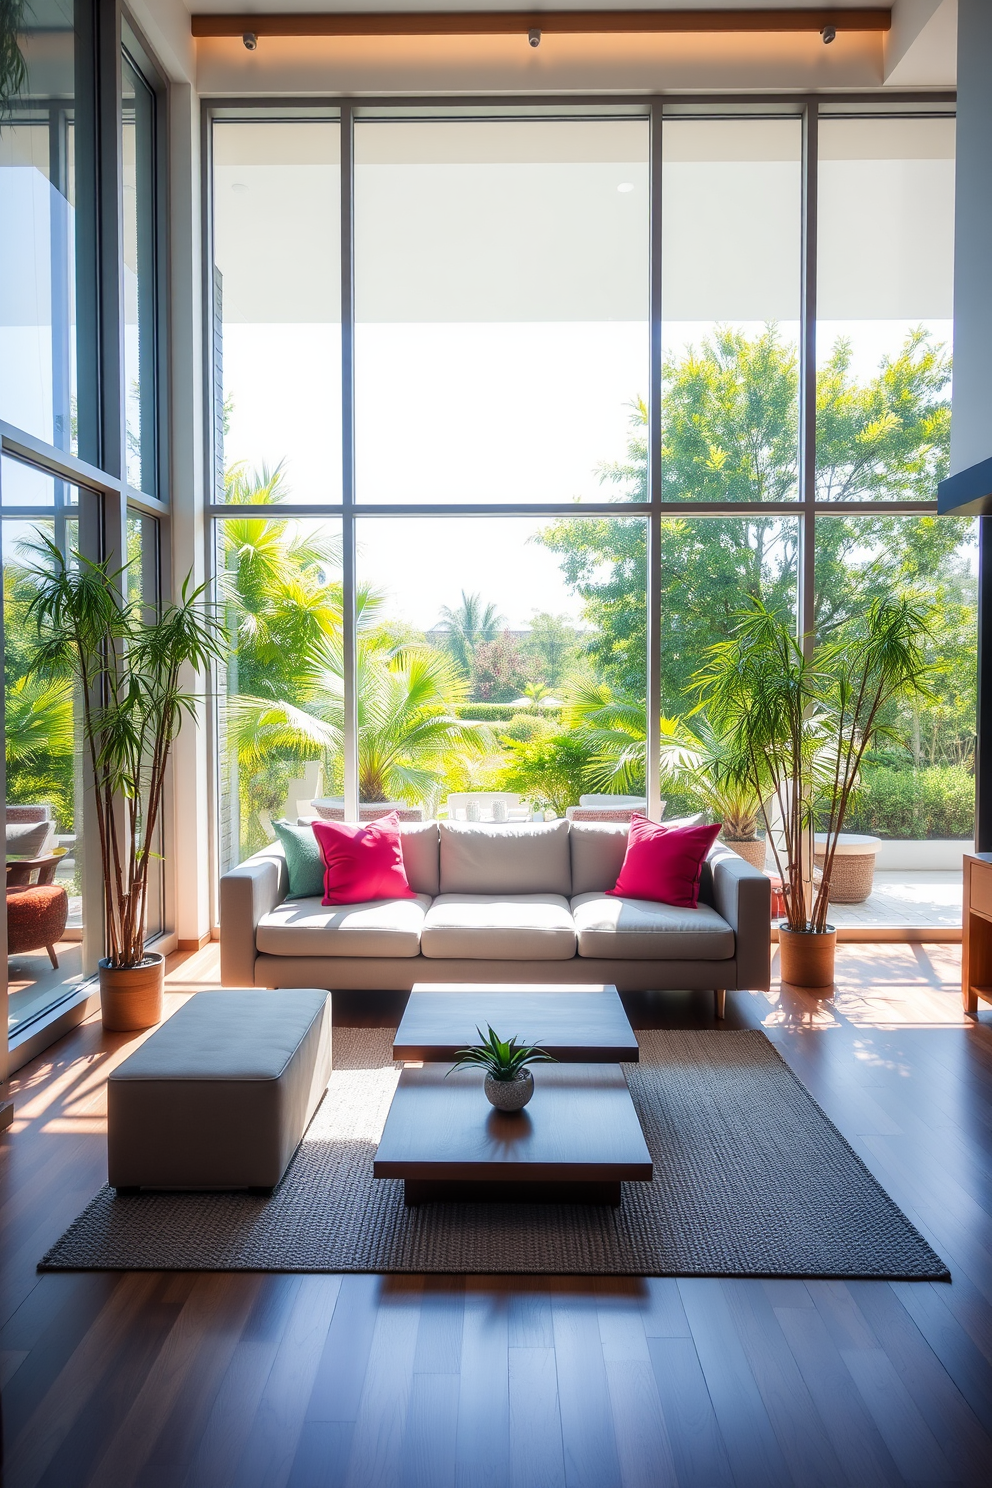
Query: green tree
{"x": 471, "y": 624}
{"x": 730, "y": 433}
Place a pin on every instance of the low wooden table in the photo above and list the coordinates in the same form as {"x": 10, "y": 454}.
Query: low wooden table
{"x": 576, "y": 1024}
{"x": 576, "y": 1142}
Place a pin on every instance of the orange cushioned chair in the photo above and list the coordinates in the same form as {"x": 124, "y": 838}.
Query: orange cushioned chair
{"x": 36, "y": 916}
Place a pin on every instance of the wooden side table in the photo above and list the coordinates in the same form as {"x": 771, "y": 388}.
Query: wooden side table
{"x": 976, "y": 931}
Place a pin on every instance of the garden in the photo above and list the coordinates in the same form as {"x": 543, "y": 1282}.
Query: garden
{"x": 556, "y": 708}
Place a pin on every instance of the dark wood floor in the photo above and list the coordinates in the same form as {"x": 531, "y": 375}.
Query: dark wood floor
{"x": 162, "y": 1380}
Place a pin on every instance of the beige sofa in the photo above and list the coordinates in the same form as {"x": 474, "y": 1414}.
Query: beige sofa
{"x": 514, "y": 903}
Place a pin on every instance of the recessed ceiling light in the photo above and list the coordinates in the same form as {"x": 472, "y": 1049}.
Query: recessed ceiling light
{"x": 626, "y": 186}
{"x": 239, "y": 186}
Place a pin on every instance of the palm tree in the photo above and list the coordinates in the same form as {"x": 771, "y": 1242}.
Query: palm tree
{"x": 408, "y": 730}
{"x": 615, "y": 731}
{"x": 468, "y": 627}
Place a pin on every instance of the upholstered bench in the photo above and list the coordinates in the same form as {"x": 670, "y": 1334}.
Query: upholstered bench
{"x": 220, "y": 1096}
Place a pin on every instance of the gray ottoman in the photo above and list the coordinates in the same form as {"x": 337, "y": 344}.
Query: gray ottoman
{"x": 221, "y": 1094}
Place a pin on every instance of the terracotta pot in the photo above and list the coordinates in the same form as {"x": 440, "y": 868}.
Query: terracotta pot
{"x": 751, "y": 849}
{"x": 806, "y": 957}
{"x": 510, "y": 1095}
{"x": 133, "y": 996}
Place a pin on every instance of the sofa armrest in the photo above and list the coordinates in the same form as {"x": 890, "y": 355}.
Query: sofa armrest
{"x": 247, "y": 893}
{"x": 743, "y": 895}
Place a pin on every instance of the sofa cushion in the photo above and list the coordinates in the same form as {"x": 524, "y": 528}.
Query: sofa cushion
{"x": 305, "y": 927}
{"x": 506, "y": 927}
{"x": 419, "y": 845}
{"x": 664, "y": 864}
{"x": 641, "y": 930}
{"x": 598, "y": 850}
{"x": 419, "y": 842}
{"x": 364, "y": 861}
{"x": 304, "y": 859}
{"x": 519, "y": 858}
{"x": 29, "y": 839}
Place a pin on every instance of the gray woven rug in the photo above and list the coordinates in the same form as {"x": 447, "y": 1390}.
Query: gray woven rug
{"x": 751, "y": 1179}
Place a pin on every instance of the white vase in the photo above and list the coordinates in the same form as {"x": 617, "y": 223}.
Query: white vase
{"x": 510, "y": 1095}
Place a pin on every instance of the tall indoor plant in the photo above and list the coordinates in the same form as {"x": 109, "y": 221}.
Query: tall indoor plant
{"x": 798, "y": 727}
{"x": 699, "y": 760}
{"x": 128, "y": 663}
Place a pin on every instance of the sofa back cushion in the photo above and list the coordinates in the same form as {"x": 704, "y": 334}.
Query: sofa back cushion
{"x": 419, "y": 845}
{"x": 419, "y": 842}
{"x": 598, "y": 850}
{"x": 519, "y": 858}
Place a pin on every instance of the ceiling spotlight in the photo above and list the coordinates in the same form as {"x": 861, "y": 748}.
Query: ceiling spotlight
{"x": 829, "y": 34}
{"x": 250, "y": 40}
{"x": 534, "y": 36}
{"x": 626, "y": 186}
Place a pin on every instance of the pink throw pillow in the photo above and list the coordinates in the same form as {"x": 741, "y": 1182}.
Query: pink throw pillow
{"x": 664, "y": 863}
{"x": 362, "y": 862}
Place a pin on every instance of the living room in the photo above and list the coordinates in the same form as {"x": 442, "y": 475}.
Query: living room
{"x": 485, "y": 512}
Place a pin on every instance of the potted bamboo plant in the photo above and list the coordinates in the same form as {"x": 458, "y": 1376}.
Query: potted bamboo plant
{"x": 798, "y": 728}
{"x": 128, "y": 665}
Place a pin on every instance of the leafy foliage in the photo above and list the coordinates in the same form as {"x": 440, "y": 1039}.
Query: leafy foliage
{"x": 502, "y": 1059}
{"x": 128, "y": 671}
{"x": 547, "y": 771}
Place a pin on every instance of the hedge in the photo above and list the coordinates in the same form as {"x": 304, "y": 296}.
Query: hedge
{"x": 938, "y": 802}
{"x": 500, "y": 712}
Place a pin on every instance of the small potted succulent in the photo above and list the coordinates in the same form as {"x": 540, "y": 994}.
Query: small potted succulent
{"x": 509, "y": 1083}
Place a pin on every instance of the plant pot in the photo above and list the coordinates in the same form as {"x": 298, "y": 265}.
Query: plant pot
{"x": 751, "y": 849}
{"x": 133, "y": 997}
{"x": 510, "y": 1095}
{"x": 806, "y": 957}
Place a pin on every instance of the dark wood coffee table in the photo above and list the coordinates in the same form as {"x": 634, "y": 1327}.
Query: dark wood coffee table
{"x": 576, "y": 1142}
{"x": 583, "y": 1025}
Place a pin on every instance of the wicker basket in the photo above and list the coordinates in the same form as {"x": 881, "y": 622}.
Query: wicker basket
{"x": 851, "y": 878}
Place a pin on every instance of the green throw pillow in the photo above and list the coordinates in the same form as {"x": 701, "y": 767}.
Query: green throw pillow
{"x": 303, "y": 860}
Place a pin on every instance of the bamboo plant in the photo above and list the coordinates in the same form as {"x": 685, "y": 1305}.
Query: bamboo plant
{"x": 128, "y": 665}
{"x": 798, "y": 726}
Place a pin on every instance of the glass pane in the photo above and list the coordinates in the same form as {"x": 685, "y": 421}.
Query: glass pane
{"x": 918, "y": 785}
{"x": 139, "y": 278}
{"x": 45, "y": 246}
{"x": 711, "y": 568}
{"x": 927, "y": 766}
{"x": 277, "y": 310}
{"x": 731, "y": 226}
{"x": 501, "y": 281}
{"x": 280, "y": 699}
{"x": 528, "y": 640}
{"x": 44, "y": 783}
{"x": 884, "y": 295}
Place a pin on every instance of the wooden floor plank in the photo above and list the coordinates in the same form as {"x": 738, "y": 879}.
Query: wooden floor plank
{"x": 269, "y": 1452}
{"x": 909, "y": 1439}
{"x": 588, "y": 1435}
{"x": 754, "y": 1453}
{"x": 698, "y": 1448}
{"x": 482, "y": 1442}
{"x": 537, "y": 1458}
{"x": 380, "y": 1425}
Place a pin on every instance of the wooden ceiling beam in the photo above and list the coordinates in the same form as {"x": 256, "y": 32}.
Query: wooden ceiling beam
{"x": 549, "y": 22}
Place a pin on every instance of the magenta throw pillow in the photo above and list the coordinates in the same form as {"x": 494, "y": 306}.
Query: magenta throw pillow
{"x": 664, "y": 863}
{"x": 362, "y": 862}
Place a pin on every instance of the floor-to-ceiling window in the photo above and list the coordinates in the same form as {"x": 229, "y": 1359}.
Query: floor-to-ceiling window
{"x": 81, "y": 428}
{"x": 472, "y": 345}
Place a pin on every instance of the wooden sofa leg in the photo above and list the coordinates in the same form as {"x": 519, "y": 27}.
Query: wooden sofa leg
{"x": 720, "y": 998}
{"x": 52, "y": 957}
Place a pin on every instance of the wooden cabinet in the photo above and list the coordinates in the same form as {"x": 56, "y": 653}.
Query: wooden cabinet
{"x": 976, "y": 931}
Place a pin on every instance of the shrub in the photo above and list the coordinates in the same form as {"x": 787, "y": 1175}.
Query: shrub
{"x": 937, "y": 802}
{"x": 548, "y": 771}
{"x": 486, "y": 712}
